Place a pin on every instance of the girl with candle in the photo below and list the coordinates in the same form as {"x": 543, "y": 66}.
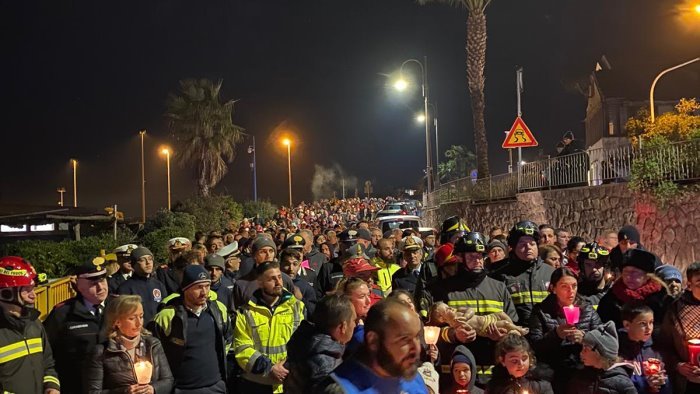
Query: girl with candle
{"x": 637, "y": 347}
{"x": 681, "y": 329}
{"x": 558, "y": 324}
{"x": 516, "y": 372}
{"x": 604, "y": 372}
{"x": 131, "y": 360}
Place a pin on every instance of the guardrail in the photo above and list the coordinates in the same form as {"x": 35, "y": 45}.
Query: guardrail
{"x": 679, "y": 161}
{"x": 52, "y": 294}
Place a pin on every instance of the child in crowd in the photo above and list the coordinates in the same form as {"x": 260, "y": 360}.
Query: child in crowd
{"x": 463, "y": 368}
{"x": 516, "y": 372}
{"x": 637, "y": 348}
{"x": 604, "y": 373}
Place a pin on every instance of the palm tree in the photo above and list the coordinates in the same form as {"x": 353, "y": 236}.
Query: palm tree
{"x": 476, "y": 62}
{"x": 204, "y": 131}
{"x": 459, "y": 161}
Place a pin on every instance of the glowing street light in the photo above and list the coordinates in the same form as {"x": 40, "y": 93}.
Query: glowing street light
{"x": 697, "y": 8}
{"x": 400, "y": 85}
{"x": 420, "y": 118}
{"x": 166, "y": 152}
{"x": 287, "y": 142}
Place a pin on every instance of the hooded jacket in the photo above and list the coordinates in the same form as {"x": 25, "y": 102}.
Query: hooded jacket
{"x": 311, "y": 357}
{"x": 534, "y": 381}
{"x": 453, "y": 387}
{"x": 636, "y": 353}
{"x": 556, "y": 352}
{"x": 614, "y": 380}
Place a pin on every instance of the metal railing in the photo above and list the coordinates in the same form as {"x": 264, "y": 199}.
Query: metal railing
{"x": 678, "y": 161}
{"x": 52, "y": 294}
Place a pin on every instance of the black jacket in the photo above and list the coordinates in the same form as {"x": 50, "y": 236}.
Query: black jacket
{"x": 535, "y": 381}
{"x": 526, "y": 281}
{"x": 224, "y": 293}
{"x": 328, "y": 277}
{"x": 610, "y": 306}
{"x": 114, "y": 281}
{"x": 591, "y": 292}
{"x": 110, "y": 368}
{"x": 311, "y": 357}
{"x": 73, "y": 332}
{"x": 560, "y": 354}
{"x": 405, "y": 279}
{"x": 595, "y": 381}
{"x": 26, "y": 360}
{"x": 151, "y": 290}
{"x": 308, "y": 295}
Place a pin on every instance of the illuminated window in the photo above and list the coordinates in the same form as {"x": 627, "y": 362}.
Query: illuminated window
{"x": 12, "y": 229}
{"x": 43, "y": 227}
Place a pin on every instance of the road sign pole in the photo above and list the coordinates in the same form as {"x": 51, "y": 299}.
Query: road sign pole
{"x": 518, "y": 89}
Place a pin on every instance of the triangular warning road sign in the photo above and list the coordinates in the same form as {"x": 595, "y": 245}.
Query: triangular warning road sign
{"x": 519, "y": 136}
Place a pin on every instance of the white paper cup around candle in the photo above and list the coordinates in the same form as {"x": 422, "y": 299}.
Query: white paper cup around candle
{"x": 431, "y": 334}
{"x": 143, "y": 369}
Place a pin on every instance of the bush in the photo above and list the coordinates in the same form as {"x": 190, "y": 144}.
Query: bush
{"x": 263, "y": 209}
{"x": 213, "y": 213}
{"x": 57, "y": 259}
{"x": 164, "y": 226}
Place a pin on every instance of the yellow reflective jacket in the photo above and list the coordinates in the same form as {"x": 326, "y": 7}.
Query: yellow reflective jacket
{"x": 261, "y": 336}
{"x": 384, "y": 274}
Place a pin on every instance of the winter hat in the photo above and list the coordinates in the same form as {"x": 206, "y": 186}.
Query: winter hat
{"x": 569, "y": 134}
{"x": 363, "y": 233}
{"x": 139, "y": 252}
{"x": 214, "y": 260}
{"x": 668, "y": 273}
{"x": 628, "y": 233}
{"x": 496, "y": 244}
{"x": 603, "y": 339}
{"x": 459, "y": 358}
{"x": 641, "y": 259}
{"x": 262, "y": 241}
{"x": 192, "y": 275}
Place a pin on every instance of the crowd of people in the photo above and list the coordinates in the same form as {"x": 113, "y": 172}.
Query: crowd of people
{"x": 319, "y": 300}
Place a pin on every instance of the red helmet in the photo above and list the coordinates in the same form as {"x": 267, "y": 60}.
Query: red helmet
{"x": 16, "y": 272}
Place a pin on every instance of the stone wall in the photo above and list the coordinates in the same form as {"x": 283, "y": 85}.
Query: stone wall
{"x": 672, "y": 233}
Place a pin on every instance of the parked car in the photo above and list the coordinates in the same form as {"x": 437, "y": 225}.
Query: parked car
{"x": 387, "y": 223}
{"x": 393, "y": 208}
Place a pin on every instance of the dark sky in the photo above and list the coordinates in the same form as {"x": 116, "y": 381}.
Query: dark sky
{"x": 80, "y": 78}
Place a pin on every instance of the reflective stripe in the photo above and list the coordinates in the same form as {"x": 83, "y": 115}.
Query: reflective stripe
{"x": 445, "y": 369}
{"x": 445, "y": 334}
{"x": 270, "y": 350}
{"x": 524, "y": 296}
{"x": 242, "y": 348}
{"x": 255, "y": 335}
{"x": 297, "y": 313}
{"x": 52, "y": 379}
{"x": 481, "y": 306}
{"x": 20, "y": 349}
{"x": 251, "y": 360}
{"x": 595, "y": 307}
{"x": 484, "y": 369}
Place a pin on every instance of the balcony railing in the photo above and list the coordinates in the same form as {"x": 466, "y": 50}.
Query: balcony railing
{"x": 679, "y": 161}
{"x": 50, "y": 295}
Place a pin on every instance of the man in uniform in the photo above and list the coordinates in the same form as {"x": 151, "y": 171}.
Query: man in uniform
{"x": 526, "y": 277}
{"x": 125, "y": 270}
{"x": 26, "y": 360}
{"x": 595, "y": 278}
{"x": 332, "y": 272}
{"x": 74, "y": 327}
{"x": 170, "y": 274}
{"x": 143, "y": 283}
{"x": 407, "y": 278}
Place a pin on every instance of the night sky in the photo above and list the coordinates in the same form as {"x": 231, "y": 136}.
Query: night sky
{"x": 81, "y": 78}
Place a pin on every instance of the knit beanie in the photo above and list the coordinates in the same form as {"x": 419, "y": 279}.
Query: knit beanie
{"x": 214, "y": 260}
{"x": 629, "y": 233}
{"x": 262, "y": 241}
{"x": 603, "y": 339}
{"x": 139, "y": 252}
{"x": 668, "y": 273}
{"x": 496, "y": 244}
{"x": 194, "y": 274}
{"x": 641, "y": 259}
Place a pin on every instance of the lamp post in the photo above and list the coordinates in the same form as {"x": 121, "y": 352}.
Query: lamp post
{"x": 288, "y": 143}
{"x": 420, "y": 118}
{"x": 142, "y": 133}
{"x": 653, "y": 84}
{"x": 60, "y": 191}
{"x": 166, "y": 152}
{"x": 401, "y": 85}
{"x": 253, "y": 167}
{"x": 74, "y": 163}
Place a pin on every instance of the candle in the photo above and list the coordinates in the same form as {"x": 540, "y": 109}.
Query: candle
{"x": 143, "y": 371}
{"x": 694, "y": 352}
{"x": 652, "y": 366}
{"x": 431, "y": 334}
{"x": 572, "y": 314}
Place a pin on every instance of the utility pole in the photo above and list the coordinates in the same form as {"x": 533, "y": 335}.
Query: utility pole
{"x": 519, "y": 90}
{"x": 142, "y": 133}
{"x": 60, "y": 191}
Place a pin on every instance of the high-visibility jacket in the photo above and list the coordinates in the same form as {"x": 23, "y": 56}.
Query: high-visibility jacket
{"x": 384, "y": 274}
{"x": 526, "y": 281}
{"x": 26, "y": 361}
{"x": 261, "y": 336}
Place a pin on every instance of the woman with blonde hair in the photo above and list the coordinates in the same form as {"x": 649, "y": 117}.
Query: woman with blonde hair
{"x": 131, "y": 360}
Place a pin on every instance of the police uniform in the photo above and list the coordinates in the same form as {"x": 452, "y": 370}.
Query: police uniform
{"x": 332, "y": 272}
{"x": 123, "y": 255}
{"x": 74, "y": 328}
{"x": 406, "y": 278}
{"x": 150, "y": 289}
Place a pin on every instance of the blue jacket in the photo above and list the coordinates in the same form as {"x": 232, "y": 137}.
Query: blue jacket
{"x": 636, "y": 353}
{"x": 355, "y": 378}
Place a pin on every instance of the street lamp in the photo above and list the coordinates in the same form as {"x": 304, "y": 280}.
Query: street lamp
{"x": 74, "y": 163}
{"x": 253, "y": 165}
{"x": 697, "y": 8}
{"x": 166, "y": 152}
{"x": 288, "y": 143}
{"x": 142, "y": 133}
{"x": 420, "y": 118}
{"x": 662, "y": 73}
{"x": 60, "y": 191}
{"x": 401, "y": 85}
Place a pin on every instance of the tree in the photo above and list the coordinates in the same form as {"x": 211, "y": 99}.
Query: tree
{"x": 204, "y": 131}
{"x": 163, "y": 226}
{"x": 263, "y": 209}
{"x": 476, "y": 62}
{"x": 680, "y": 125}
{"x": 459, "y": 161}
{"x": 213, "y": 213}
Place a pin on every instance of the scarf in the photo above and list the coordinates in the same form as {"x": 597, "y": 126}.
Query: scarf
{"x": 628, "y": 295}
